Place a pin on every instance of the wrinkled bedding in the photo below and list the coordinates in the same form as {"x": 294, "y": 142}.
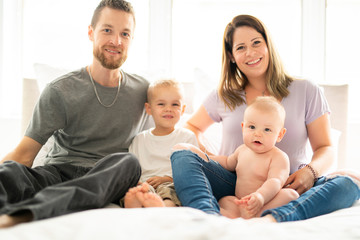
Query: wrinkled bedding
{"x": 183, "y": 223}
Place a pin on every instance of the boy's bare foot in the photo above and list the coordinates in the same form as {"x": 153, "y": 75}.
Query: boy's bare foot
{"x": 145, "y": 187}
{"x": 9, "y": 221}
{"x": 150, "y": 199}
{"x": 130, "y": 200}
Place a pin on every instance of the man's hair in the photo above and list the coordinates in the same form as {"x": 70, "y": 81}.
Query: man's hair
{"x": 114, "y": 4}
{"x": 164, "y": 83}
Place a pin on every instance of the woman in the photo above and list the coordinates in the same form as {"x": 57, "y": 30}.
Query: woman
{"x": 252, "y": 68}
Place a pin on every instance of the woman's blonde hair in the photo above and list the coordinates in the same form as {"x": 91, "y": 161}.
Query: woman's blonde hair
{"x": 233, "y": 81}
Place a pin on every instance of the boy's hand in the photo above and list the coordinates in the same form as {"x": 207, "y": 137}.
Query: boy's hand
{"x": 156, "y": 181}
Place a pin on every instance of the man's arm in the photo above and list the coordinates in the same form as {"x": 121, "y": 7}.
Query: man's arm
{"x": 25, "y": 152}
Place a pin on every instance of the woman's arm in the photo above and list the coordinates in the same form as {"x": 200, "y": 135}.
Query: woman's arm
{"x": 198, "y": 123}
{"x": 323, "y": 155}
{"x": 25, "y": 152}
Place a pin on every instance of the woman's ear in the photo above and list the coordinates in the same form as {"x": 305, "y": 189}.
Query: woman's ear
{"x": 230, "y": 56}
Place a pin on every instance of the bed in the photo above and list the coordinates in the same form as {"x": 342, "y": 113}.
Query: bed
{"x": 186, "y": 223}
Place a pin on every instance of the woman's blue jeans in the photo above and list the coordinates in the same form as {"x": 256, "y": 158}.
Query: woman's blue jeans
{"x": 200, "y": 184}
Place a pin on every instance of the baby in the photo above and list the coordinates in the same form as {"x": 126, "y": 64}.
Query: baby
{"x": 260, "y": 166}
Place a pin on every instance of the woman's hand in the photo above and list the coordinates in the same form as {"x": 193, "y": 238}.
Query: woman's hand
{"x": 301, "y": 180}
{"x": 156, "y": 181}
{"x": 323, "y": 155}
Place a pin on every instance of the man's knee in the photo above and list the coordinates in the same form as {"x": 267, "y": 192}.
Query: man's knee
{"x": 119, "y": 161}
{"x": 127, "y": 160}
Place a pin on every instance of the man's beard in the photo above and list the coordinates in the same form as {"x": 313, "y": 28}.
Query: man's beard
{"x": 106, "y": 63}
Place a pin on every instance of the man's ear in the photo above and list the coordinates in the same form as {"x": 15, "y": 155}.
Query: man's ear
{"x": 281, "y": 134}
{"x": 91, "y": 33}
{"x": 148, "y": 108}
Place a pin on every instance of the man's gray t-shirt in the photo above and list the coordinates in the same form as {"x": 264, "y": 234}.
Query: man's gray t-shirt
{"x": 85, "y": 131}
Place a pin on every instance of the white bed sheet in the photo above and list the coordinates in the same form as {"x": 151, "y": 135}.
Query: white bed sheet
{"x": 182, "y": 223}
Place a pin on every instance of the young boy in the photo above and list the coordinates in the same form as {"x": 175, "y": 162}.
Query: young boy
{"x": 261, "y": 168}
{"x": 153, "y": 147}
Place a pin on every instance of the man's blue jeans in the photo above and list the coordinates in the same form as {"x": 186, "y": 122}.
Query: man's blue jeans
{"x": 200, "y": 184}
{"x": 58, "y": 189}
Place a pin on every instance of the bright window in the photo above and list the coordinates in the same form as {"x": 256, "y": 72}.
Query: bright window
{"x": 343, "y": 49}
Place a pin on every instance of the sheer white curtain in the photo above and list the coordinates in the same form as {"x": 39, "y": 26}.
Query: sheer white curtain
{"x": 317, "y": 39}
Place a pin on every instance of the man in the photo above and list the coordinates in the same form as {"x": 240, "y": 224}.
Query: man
{"x": 92, "y": 113}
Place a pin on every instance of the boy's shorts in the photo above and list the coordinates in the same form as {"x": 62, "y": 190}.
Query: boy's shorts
{"x": 167, "y": 192}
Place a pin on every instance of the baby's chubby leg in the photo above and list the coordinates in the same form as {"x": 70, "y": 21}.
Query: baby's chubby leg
{"x": 229, "y": 209}
{"x": 284, "y": 196}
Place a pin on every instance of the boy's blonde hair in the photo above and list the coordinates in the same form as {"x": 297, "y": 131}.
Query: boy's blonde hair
{"x": 268, "y": 104}
{"x": 164, "y": 83}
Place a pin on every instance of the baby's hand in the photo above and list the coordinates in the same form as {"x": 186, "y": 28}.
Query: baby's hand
{"x": 243, "y": 201}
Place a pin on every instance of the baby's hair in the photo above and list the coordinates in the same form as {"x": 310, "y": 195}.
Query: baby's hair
{"x": 164, "y": 83}
{"x": 269, "y": 104}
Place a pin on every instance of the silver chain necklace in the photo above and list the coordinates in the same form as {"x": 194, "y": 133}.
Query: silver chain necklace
{"x": 97, "y": 95}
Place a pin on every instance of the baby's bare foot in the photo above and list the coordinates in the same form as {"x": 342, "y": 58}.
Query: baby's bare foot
{"x": 150, "y": 199}
{"x": 244, "y": 212}
{"x": 242, "y": 205}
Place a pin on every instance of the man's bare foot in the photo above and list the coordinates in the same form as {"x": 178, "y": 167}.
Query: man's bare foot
{"x": 150, "y": 199}
{"x": 9, "y": 221}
